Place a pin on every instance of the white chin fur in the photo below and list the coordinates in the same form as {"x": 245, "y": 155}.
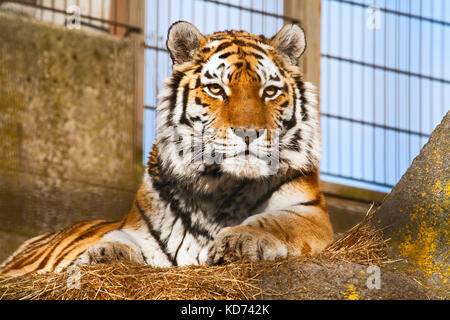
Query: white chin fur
{"x": 251, "y": 167}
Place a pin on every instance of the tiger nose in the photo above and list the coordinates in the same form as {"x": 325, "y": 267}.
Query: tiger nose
{"x": 248, "y": 135}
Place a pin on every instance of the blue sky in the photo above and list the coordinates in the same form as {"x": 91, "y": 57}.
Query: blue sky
{"x": 348, "y": 90}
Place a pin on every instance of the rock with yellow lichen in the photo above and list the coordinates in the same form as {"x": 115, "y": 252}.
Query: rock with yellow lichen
{"x": 415, "y": 213}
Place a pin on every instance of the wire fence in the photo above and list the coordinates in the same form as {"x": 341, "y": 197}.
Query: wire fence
{"x": 109, "y": 16}
{"x": 385, "y": 83}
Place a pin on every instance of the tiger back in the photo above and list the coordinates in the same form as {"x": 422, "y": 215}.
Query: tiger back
{"x": 234, "y": 170}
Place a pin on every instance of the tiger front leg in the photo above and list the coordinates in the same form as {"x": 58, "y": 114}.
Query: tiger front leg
{"x": 273, "y": 236}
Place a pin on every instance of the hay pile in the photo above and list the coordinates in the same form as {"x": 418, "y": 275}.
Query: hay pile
{"x": 239, "y": 280}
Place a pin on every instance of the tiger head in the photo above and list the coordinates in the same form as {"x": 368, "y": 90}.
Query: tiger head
{"x": 236, "y": 104}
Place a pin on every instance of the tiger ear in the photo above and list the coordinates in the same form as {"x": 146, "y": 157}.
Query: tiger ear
{"x": 183, "y": 40}
{"x": 290, "y": 42}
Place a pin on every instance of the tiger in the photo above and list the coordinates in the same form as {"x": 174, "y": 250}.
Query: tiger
{"x": 233, "y": 173}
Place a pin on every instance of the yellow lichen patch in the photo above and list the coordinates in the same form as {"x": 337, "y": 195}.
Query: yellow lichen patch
{"x": 422, "y": 249}
{"x": 350, "y": 293}
{"x": 436, "y": 188}
{"x": 447, "y": 190}
{"x": 420, "y": 237}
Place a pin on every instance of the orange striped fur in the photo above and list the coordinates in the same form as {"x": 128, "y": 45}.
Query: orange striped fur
{"x": 58, "y": 249}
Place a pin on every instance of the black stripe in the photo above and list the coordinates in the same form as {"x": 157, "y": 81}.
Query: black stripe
{"x": 196, "y": 119}
{"x": 215, "y": 37}
{"x": 314, "y": 202}
{"x": 184, "y": 119}
{"x": 199, "y": 102}
{"x": 249, "y": 44}
{"x": 198, "y": 260}
{"x": 276, "y": 78}
{"x": 288, "y": 124}
{"x": 42, "y": 241}
{"x": 222, "y": 46}
{"x": 155, "y": 234}
{"x": 197, "y": 83}
{"x": 269, "y": 193}
{"x": 259, "y": 250}
{"x": 208, "y": 75}
{"x": 225, "y": 55}
{"x": 172, "y": 227}
{"x": 230, "y": 76}
{"x": 39, "y": 239}
{"x": 181, "y": 243}
{"x": 177, "y": 76}
{"x": 301, "y": 88}
{"x": 257, "y": 56}
{"x": 198, "y": 70}
{"x": 294, "y": 143}
{"x": 122, "y": 224}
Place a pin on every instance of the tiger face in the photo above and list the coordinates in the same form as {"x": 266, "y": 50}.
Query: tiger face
{"x": 236, "y": 104}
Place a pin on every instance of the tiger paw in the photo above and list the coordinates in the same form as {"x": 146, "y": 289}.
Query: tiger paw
{"x": 105, "y": 252}
{"x": 245, "y": 242}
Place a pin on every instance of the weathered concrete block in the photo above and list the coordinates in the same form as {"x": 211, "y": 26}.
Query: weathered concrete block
{"x": 415, "y": 213}
{"x": 67, "y": 127}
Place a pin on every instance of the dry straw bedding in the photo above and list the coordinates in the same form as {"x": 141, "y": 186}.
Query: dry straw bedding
{"x": 238, "y": 280}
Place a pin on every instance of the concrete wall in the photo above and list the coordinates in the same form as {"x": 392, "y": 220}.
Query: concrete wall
{"x": 67, "y": 128}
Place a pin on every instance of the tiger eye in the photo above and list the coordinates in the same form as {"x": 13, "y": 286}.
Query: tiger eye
{"x": 270, "y": 91}
{"x": 215, "y": 88}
